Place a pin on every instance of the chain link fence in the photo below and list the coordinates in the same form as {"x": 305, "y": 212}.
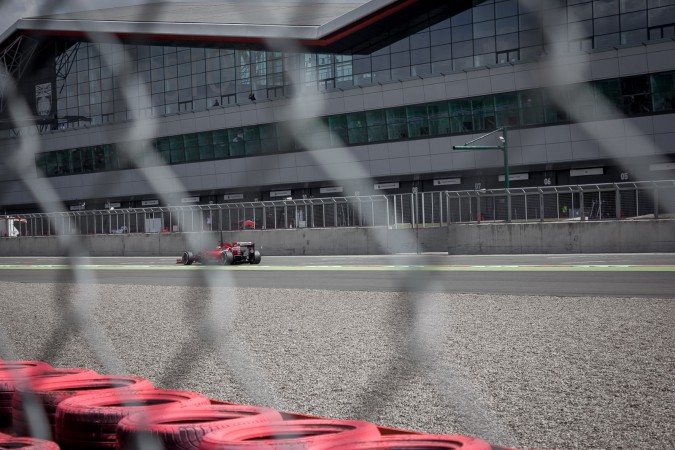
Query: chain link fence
{"x": 411, "y": 316}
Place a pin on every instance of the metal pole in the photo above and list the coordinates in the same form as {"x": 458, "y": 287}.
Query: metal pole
{"x": 656, "y": 201}
{"x": 477, "y": 207}
{"x": 424, "y": 212}
{"x": 557, "y": 204}
{"x": 618, "y": 203}
{"x": 541, "y": 205}
{"x": 581, "y": 206}
{"x": 413, "y": 212}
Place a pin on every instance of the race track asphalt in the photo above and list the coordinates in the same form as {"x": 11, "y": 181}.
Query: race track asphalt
{"x": 575, "y": 356}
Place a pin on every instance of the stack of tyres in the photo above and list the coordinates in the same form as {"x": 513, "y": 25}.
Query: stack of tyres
{"x": 26, "y": 443}
{"x": 47, "y": 392}
{"x": 13, "y": 374}
{"x": 89, "y": 421}
{"x": 290, "y": 435}
{"x": 184, "y": 428}
{"x": 416, "y": 441}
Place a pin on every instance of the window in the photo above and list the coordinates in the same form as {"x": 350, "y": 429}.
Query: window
{"x": 439, "y": 123}
{"x": 377, "y": 125}
{"x": 418, "y": 122}
{"x": 177, "y": 149}
{"x": 662, "y": 32}
{"x": 191, "y": 144}
{"x": 531, "y": 109}
{"x": 268, "y": 138}
{"x": 356, "y": 128}
{"x": 252, "y": 140}
{"x": 636, "y": 95}
{"x": 220, "y": 144}
{"x": 507, "y": 110}
{"x": 236, "y": 141}
{"x": 397, "y": 124}
{"x": 338, "y": 127}
{"x": 461, "y": 119}
{"x": 508, "y": 56}
{"x": 608, "y": 100}
{"x": 663, "y": 91}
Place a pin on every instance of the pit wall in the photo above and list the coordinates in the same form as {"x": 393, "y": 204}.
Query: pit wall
{"x": 644, "y": 236}
{"x": 308, "y": 241}
{"x": 457, "y": 239}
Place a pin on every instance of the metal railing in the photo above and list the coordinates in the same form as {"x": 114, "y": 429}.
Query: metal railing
{"x": 413, "y": 210}
{"x": 629, "y": 200}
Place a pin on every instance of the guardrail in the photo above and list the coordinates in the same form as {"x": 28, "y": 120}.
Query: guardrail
{"x": 414, "y": 210}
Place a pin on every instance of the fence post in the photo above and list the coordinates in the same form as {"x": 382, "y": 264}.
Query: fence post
{"x": 372, "y": 211}
{"x": 617, "y": 196}
{"x": 478, "y": 207}
{"x": 582, "y": 213}
{"x": 656, "y": 201}
{"x": 541, "y": 205}
{"x": 424, "y": 212}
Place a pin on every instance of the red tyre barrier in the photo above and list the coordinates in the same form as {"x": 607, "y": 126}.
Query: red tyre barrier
{"x": 12, "y": 369}
{"x": 89, "y": 421}
{"x": 184, "y": 428}
{"x": 68, "y": 373}
{"x": 49, "y": 391}
{"x": 7, "y": 442}
{"x": 416, "y": 441}
{"x": 13, "y": 374}
{"x": 290, "y": 435}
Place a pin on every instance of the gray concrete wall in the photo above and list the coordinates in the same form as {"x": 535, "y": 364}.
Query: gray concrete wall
{"x": 309, "y": 241}
{"x": 562, "y": 237}
{"x": 558, "y": 237}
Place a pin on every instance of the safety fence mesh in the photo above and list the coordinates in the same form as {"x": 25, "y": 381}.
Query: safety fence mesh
{"x": 411, "y": 318}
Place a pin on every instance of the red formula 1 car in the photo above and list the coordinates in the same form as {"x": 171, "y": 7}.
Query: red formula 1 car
{"x": 225, "y": 253}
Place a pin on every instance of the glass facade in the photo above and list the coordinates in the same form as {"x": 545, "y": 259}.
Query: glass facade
{"x": 630, "y": 96}
{"x": 113, "y": 83}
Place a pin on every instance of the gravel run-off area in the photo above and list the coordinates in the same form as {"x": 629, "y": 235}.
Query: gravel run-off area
{"x": 520, "y": 371}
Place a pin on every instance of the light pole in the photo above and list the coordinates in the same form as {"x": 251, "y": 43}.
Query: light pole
{"x": 503, "y": 146}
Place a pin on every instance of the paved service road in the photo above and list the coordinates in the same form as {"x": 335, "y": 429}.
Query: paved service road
{"x": 642, "y": 275}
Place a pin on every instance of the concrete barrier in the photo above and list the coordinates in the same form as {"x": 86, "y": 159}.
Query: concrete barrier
{"x": 299, "y": 241}
{"x": 486, "y": 238}
{"x": 630, "y": 236}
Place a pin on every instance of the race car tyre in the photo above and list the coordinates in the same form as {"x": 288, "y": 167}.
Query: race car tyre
{"x": 49, "y": 392}
{"x": 89, "y": 421}
{"x": 290, "y": 434}
{"x": 416, "y": 441}
{"x": 257, "y": 257}
{"x": 228, "y": 258}
{"x": 184, "y": 428}
{"x": 188, "y": 258}
{"x": 25, "y": 443}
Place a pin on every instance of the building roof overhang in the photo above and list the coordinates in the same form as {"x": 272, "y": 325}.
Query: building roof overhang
{"x": 337, "y": 26}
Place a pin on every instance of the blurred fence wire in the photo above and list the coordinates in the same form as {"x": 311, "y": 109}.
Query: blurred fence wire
{"x": 413, "y": 210}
